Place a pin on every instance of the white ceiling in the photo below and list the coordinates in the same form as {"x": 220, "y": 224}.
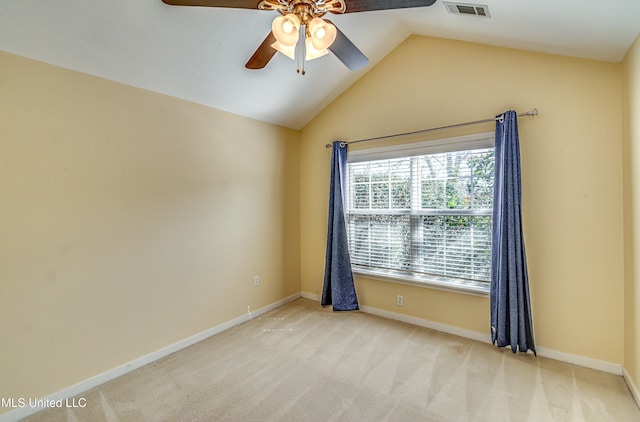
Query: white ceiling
{"x": 199, "y": 53}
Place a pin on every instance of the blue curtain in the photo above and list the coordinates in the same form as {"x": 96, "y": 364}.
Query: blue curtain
{"x": 509, "y": 296}
{"x": 338, "y": 289}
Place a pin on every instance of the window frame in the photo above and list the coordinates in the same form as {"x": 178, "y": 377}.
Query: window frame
{"x": 459, "y": 143}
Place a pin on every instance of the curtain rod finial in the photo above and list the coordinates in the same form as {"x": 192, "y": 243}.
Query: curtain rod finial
{"x": 342, "y": 144}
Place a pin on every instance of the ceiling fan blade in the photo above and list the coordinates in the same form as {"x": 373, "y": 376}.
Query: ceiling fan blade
{"x": 347, "y": 52}
{"x": 263, "y": 54}
{"x": 238, "y": 4}
{"x": 368, "y": 5}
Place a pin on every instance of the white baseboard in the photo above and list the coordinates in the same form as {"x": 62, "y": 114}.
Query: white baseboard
{"x": 632, "y": 386}
{"x": 437, "y": 326}
{"x": 311, "y": 296}
{"x": 81, "y": 387}
{"x": 600, "y": 365}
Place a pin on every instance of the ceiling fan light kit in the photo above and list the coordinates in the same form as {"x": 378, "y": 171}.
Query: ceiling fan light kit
{"x": 320, "y": 35}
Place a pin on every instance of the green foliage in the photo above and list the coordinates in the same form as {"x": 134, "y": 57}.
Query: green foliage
{"x": 461, "y": 180}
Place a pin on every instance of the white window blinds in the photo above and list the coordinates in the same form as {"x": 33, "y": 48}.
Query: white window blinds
{"x": 427, "y": 215}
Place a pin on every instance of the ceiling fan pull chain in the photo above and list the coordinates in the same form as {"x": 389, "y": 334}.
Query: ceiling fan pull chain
{"x": 300, "y": 52}
{"x": 303, "y": 50}
{"x": 297, "y": 59}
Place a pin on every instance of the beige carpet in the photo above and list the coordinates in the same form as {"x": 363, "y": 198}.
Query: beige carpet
{"x": 304, "y": 363}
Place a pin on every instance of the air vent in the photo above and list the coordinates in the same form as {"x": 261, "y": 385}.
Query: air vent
{"x": 468, "y": 9}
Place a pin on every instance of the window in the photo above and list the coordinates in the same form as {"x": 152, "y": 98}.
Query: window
{"x": 422, "y": 213}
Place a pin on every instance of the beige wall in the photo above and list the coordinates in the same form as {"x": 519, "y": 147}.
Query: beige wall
{"x": 129, "y": 221}
{"x": 571, "y": 163}
{"x": 631, "y": 128}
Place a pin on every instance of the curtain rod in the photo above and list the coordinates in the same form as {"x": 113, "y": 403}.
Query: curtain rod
{"x": 500, "y": 118}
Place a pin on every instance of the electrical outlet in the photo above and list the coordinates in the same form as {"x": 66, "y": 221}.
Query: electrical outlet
{"x": 256, "y": 281}
{"x": 400, "y": 300}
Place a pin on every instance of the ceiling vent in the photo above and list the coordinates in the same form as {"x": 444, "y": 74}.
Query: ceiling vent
{"x": 468, "y": 9}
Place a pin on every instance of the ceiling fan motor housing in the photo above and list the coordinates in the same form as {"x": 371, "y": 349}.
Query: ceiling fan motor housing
{"x": 304, "y": 9}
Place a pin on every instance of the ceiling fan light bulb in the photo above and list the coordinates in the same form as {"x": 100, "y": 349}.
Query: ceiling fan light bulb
{"x": 323, "y": 33}
{"x": 285, "y": 29}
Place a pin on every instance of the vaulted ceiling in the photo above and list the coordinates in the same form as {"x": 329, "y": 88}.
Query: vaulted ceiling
{"x": 199, "y": 53}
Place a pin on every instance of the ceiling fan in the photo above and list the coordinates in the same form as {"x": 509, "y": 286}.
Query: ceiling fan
{"x": 304, "y": 17}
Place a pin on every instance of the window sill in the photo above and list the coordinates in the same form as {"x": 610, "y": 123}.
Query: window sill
{"x": 473, "y": 288}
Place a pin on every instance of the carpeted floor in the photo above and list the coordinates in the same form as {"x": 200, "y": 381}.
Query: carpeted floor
{"x": 304, "y": 363}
